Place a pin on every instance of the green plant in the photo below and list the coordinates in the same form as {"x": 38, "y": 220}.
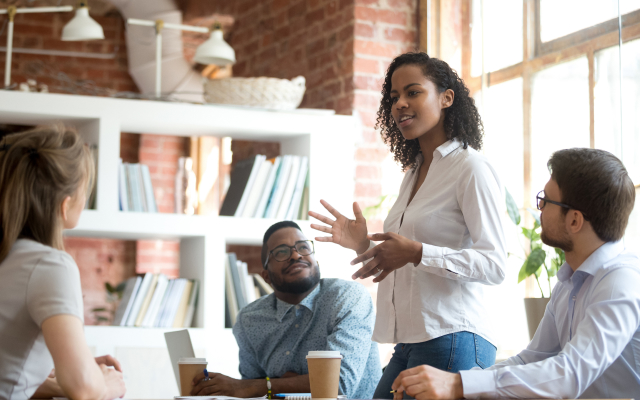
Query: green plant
{"x": 382, "y": 208}
{"x": 104, "y": 315}
{"x": 538, "y": 257}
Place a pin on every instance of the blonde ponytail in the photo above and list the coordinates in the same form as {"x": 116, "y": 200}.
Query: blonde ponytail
{"x": 38, "y": 170}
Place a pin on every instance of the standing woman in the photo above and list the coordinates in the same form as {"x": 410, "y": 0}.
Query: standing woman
{"x": 443, "y": 237}
{"x": 44, "y": 176}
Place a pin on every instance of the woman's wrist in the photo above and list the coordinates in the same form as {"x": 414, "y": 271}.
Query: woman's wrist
{"x": 417, "y": 253}
{"x": 364, "y": 246}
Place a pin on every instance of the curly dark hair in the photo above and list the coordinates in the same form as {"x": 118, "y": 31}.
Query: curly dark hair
{"x": 461, "y": 120}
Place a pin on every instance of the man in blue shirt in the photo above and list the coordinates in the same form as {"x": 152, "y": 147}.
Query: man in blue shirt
{"x": 305, "y": 313}
{"x": 588, "y": 341}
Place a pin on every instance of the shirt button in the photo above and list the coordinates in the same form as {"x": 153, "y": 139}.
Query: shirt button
{"x": 297, "y": 307}
{"x": 287, "y": 353}
{"x": 297, "y": 325}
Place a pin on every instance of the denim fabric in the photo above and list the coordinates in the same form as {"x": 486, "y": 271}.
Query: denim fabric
{"x": 454, "y": 352}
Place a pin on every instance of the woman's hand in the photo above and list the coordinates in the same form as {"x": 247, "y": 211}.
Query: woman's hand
{"x": 394, "y": 252}
{"x": 348, "y": 233}
{"x": 109, "y": 361}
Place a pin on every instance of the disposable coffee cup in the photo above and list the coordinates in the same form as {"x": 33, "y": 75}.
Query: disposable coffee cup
{"x": 324, "y": 373}
{"x": 189, "y": 368}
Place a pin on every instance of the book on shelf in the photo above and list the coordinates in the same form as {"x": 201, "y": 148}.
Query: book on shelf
{"x": 273, "y": 188}
{"x": 268, "y": 187}
{"x": 231, "y": 301}
{"x": 135, "y": 188}
{"x": 239, "y": 178}
{"x": 294, "y": 207}
{"x": 237, "y": 281}
{"x": 257, "y": 189}
{"x": 139, "y": 299}
{"x": 241, "y": 287}
{"x": 289, "y": 188}
{"x": 304, "y": 202}
{"x": 128, "y": 295}
{"x": 155, "y": 301}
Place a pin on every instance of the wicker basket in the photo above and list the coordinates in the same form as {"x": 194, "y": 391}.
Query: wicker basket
{"x": 271, "y": 93}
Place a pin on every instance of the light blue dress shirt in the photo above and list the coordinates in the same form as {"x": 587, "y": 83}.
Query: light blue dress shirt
{"x": 588, "y": 342}
{"x": 274, "y": 337}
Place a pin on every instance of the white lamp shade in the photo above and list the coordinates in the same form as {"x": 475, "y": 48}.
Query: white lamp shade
{"x": 82, "y": 27}
{"x": 215, "y": 51}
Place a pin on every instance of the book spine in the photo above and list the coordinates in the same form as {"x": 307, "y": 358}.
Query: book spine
{"x": 122, "y": 184}
{"x": 257, "y": 163}
{"x": 268, "y": 188}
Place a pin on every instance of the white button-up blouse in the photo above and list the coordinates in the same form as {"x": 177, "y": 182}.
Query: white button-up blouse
{"x": 456, "y": 215}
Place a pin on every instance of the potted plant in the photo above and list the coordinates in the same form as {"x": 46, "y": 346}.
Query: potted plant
{"x": 538, "y": 258}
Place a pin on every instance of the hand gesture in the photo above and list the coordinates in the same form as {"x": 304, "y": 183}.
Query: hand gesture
{"x": 348, "y": 233}
{"x": 394, "y": 252}
{"x": 425, "y": 382}
{"x": 114, "y": 382}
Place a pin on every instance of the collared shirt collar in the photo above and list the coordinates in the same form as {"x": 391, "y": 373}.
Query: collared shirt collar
{"x": 444, "y": 149}
{"x": 282, "y": 307}
{"x": 594, "y": 262}
{"x": 447, "y": 147}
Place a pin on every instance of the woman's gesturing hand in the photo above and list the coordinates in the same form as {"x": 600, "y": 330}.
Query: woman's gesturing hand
{"x": 346, "y": 232}
{"x": 394, "y": 252}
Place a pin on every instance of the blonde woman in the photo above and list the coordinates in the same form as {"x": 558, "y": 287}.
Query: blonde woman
{"x": 44, "y": 176}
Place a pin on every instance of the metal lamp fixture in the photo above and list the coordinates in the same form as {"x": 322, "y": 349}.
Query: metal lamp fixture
{"x": 81, "y": 27}
{"x": 214, "y": 51}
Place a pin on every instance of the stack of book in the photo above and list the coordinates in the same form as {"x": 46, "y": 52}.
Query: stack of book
{"x": 241, "y": 288}
{"x": 275, "y": 188}
{"x": 136, "y": 190}
{"x": 155, "y": 301}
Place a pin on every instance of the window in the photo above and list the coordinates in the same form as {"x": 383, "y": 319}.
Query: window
{"x": 546, "y": 75}
{"x": 559, "y": 114}
{"x": 503, "y": 46}
{"x": 560, "y": 18}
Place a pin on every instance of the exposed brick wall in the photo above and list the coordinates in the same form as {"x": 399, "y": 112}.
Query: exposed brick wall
{"x": 100, "y": 261}
{"x": 43, "y": 31}
{"x": 161, "y": 154}
{"x": 383, "y": 30}
{"x": 287, "y": 38}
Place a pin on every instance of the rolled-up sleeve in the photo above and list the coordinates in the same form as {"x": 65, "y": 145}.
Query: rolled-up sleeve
{"x": 480, "y": 199}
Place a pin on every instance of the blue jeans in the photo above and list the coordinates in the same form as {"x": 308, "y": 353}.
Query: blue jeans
{"x": 454, "y": 352}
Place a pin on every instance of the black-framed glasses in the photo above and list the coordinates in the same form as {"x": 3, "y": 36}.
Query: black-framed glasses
{"x": 283, "y": 252}
{"x": 542, "y": 200}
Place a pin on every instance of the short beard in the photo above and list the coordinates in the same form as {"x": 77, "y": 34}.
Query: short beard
{"x": 298, "y": 287}
{"x": 565, "y": 244}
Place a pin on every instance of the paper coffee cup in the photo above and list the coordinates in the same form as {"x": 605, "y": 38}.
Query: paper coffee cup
{"x": 189, "y": 368}
{"x": 324, "y": 373}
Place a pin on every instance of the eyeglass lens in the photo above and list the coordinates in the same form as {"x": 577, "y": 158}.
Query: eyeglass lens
{"x": 282, "y": 253}
{"x": 540, "y": 200}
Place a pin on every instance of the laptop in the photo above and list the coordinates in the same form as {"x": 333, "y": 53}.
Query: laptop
{"x": 179, "y": 346}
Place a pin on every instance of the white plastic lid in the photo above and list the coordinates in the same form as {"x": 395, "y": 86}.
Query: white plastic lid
{"x": 191, "y": 360}
{"x": 324, "y": 354}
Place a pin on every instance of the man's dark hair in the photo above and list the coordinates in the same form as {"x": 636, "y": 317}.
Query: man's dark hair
{"x": 596, "y": 183}
{"x": 273, "y": 229}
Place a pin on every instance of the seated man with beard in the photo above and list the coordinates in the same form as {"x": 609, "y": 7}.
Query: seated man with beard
{"x": 305, "y": 313}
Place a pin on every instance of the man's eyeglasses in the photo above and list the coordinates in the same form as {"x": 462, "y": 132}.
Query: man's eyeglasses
{"x": 283, "y": 252}
{"x": 541, "y": 201}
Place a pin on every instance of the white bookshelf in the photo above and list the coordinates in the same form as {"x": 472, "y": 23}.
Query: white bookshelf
{"x": 328, "y": 140}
